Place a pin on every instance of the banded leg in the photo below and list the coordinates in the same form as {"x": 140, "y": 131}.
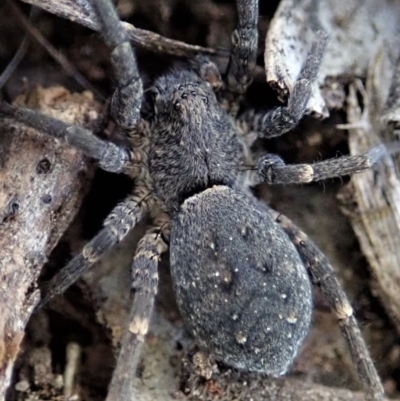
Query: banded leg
{"x": 243, "y": 53}
{"x": 111, "y": 157}
{"x": 127, "y": 98}
{"x": 273, "y": 170}
{"x": 144, "y": 286}
{"x": 323, "y": 275}
{"x": 116, "y": 226}
{"x": 283, "y": 119}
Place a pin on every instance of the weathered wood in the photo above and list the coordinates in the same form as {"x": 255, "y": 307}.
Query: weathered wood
{"x": 372, "y": 199}
{"x": 354, "y": 34}
{"x": 42, "y": 182}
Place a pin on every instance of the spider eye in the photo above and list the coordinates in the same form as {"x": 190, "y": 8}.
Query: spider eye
{"x": 177, "y": 105}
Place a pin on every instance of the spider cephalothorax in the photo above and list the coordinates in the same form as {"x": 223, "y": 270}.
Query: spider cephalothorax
{"x": 190, "y": 152}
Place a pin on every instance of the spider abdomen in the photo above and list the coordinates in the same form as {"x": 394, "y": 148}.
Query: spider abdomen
{"x": 241, "y": 286}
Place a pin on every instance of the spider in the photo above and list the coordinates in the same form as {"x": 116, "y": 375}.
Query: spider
{"x": 239, "y": 268}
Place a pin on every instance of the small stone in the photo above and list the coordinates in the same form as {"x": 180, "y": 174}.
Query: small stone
{"x": 22, "y": 386}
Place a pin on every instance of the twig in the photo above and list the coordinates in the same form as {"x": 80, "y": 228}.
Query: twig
{"x": 80, "y": 11}
{"x": 58, "y": 57}
{"x": 20, "y": 54}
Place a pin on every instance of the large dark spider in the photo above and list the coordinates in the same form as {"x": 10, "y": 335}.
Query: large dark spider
{"x": 239, "y": 268}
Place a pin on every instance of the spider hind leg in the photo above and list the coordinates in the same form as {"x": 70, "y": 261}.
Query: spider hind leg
{"x": 323, "y": 275}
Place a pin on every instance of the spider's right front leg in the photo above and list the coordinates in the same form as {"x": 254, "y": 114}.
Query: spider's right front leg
{"x": 127, "y": 99}
{"x": 116, "y": 226}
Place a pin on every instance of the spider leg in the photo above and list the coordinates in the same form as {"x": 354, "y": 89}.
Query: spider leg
{"x": 144, "y": 285}
{"x": 283, "y": 119}
{"x": 110, "y": 156}
{"x": 273, "y": 170}
{"x": 323, "y": 275}
{"x": 127, "y": 99}
{"x": 116, "y": 226}
{"x": 243, "y": 54}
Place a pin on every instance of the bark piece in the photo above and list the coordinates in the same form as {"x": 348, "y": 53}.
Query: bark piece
{"x": 42, "y": 182}
{"x": 372, "y": 199}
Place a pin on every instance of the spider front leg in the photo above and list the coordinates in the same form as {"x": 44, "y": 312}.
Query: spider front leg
{"x": 127, "y": 99}
{"x": 144, "y": 286}
{"x": 243, "y": 54}
{"x": 323, "y": 275}
{"x": 111, "y": 157}
{"x": 273, "y": 170}
{"x": 116, "y": 226}
{"x": 283, "y": 119}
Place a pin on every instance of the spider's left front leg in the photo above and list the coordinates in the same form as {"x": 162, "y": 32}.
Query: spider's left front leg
{"x": 322, "y": 274}
{"x": 144, "y": 286}
{"x": 111, "y": 157}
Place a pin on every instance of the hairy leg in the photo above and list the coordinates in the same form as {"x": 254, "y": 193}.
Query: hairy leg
{"x": 144, "y": 287}
{"x": 323, "y": 275}
{"x": 273, "y": 170}
{"x": 243, "y": 54}
{"x": 127, "y": 99}
{"x": 116, "y": 226}
{"x": 283, "y": 119}
{"x": 111, "y": 157}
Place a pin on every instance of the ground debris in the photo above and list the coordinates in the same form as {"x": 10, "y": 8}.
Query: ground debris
{"x": 228, "y": 385}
